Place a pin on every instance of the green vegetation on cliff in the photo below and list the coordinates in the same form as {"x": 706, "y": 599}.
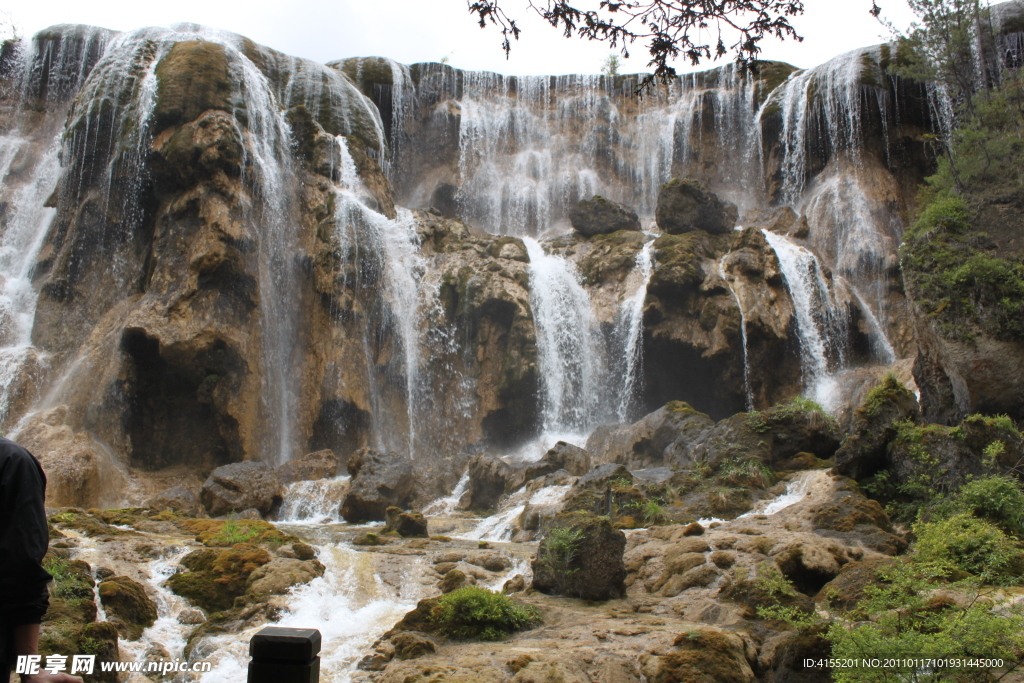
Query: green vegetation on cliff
{"x": 958, "y": 277}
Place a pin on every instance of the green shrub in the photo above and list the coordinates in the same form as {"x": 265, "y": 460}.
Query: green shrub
{"x": 956, "y": 279}
{"x": 915, "y": 611}
{"x": 762, "y": 421}
{"x": 473, "y": 613}
{"x": 973, "y": 545}
{"x": 557, "y": 553}
{"x": 998, "y": 499}
{"x": 889, "y": 391}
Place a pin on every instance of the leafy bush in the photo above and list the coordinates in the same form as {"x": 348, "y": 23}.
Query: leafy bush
{"x": 969, "y": 544}
{"x": 473, "y": 613}
{"x": 762, "y": 421}
{"x": 957, "y": 279}
{"x": 998, "y": 499}
{"x": 557, "y": 553}
{"x": 915, "y": 611}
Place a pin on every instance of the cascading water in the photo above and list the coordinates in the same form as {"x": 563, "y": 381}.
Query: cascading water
{"x": 313, "y": 502}
{"x": 363, "y": 233}
{"x": 821, "y": 319}
{"x": 350, "y": 605}
{"x": 629, "y": 333}
{"x": 569, "y": 346}
{"x": 52, "y": 71}
{"x": 530, "y": 147}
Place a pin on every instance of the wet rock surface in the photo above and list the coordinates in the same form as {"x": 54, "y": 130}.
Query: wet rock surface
{"x": 379, "y": 481}
{"x": 241, "y": 486}
{"x": 684, "y": 205}
{"x": 599, "y": 216}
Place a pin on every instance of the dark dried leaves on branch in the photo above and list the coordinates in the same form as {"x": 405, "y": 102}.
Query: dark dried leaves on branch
{"x": 692, "y": 29}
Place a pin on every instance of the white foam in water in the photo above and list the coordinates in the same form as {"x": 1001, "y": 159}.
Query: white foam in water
{"x": 446, "y": 505}
{"x": 314, "y": 502}
{"x": 499, "y": 527}
{"x": 796, "y": 491}
{"x": 350, "y": 606}
{"x": 536, "y": 449}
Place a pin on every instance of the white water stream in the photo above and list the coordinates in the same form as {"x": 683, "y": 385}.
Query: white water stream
{"x": 821, "y": 319}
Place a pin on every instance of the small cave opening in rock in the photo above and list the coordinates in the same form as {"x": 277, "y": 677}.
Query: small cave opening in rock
{"x": 809, "y": 580}
{"x": 342, "y": 427}
{"x": 167, "y": 421}
{"x": 678, "y": 372}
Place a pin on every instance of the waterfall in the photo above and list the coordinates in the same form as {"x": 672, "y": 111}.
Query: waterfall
{"x": 531, "y": 147}
{"x": 821, "y": 319}
{"x": 313, "y": 502}
{"x": 827, "y": 101}
{"x": 53, "y": 70}
{"x": 364, "y": 233}
{"x": 570, "y": 350}
{"x": 629, "y": 331}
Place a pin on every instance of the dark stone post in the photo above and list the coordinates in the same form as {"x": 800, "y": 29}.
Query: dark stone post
{"x": 285, "y": 655}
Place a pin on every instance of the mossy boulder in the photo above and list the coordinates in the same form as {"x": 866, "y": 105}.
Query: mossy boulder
{"x": 847, "y": 589}
{"x": 216, "y": 577}
{"x": 685, "y": 205}
{"x": 192, "y": 77}
{"x": 224, "y": 533}
{"x": 280, "y": 574}
{"x": 581, "y": 556}
{"x": 600, "y": 216}
{"x": 99, "y": 639}
{"x": 701, "y": 654}
{"x": 127, "y": 605}
{"x": 469, "y": 613}
{"x": 411, "y": 524}
{"x": 863, "y": 451}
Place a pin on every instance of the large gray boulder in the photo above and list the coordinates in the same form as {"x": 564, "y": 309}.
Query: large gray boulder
{"x": 379, "y": 481}
{"x": 600, "y": 216}
{"x": 178, "y": 498}
{"x": 685, "y": 206}
{"x": 240, "y": 486}
{"x": 489, "y": 478}
{"x": 310, "y": 467}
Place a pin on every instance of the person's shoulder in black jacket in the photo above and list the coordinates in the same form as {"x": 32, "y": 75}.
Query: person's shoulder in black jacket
{"x": 24, "y": 537}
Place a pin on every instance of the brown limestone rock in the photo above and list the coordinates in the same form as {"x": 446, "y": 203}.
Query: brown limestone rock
{"x": 191, "y": 78}
{"x": 280, "y": 574}
{"x": 178, "y": 498}
{"x": 592, "y": 568}
{"x": 379, "y": 481}
{"x": 322, "y": 464}
{"x": 703, "y": 654}
{"x": 411, "y": 524}
{"x": 489, "y": 479}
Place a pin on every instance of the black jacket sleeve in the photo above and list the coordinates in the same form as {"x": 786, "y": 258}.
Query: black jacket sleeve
{"x": 24, "y": 537}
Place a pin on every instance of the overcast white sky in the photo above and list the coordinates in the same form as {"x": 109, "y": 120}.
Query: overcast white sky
{"x": 428, "y": 30}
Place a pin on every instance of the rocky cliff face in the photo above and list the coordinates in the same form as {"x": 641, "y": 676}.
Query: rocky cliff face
{"x": 224, "y": 253}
